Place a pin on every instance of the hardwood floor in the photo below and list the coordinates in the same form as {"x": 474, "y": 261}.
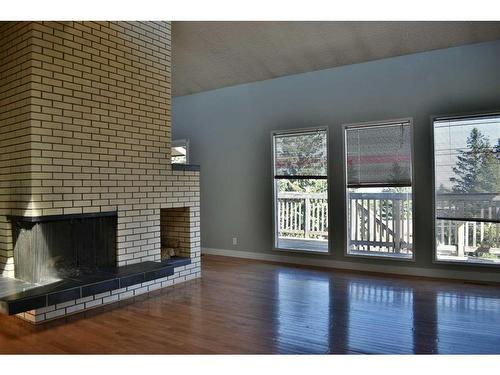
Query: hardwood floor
{"x": 244, "y": 306}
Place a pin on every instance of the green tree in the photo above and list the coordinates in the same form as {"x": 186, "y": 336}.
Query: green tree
{"x": 477, "y": 171}
{"x": 488, "y": 176}
{"x": 301, "y": 154}
{"x": 398, "y": 174}
{"x": 474, "y": 165}
{"x": 442, "y": 189}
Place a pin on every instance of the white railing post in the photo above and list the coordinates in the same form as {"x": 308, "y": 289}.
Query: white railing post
{"x": 396, "y": 212}
{"x": 307, "y": 209}
{"x": 461, "y": 240}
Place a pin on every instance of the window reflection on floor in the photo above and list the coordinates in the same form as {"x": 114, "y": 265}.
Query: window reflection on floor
{"x": 303, "y": 313}
{"x": 338, "y": 314}
{"x": 475, "y": 315}
{"x": 370, "y": 303}
{"x": 314, "y": 316}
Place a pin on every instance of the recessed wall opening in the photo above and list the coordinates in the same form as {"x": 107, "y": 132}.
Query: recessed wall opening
{"x": 175, "y": 232}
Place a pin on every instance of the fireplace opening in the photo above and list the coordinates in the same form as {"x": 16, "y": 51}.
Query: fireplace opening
{"x": 175, "y": 232}
{"x": 47, "y": 249}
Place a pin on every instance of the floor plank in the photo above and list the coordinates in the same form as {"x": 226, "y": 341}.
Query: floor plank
{"x": 246, "y": 306}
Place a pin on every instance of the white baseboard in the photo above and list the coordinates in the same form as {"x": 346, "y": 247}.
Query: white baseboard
{"x": 487, "y": 275}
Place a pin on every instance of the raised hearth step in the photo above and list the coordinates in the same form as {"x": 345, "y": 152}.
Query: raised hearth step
{"x": 177, "y": 261}
{"x": 104, "y": 280}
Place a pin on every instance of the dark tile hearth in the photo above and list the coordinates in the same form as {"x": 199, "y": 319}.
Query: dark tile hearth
{"x": 17, "y": 296}
{"x": 63, "y": 296}
{"x": 101, "y": 287}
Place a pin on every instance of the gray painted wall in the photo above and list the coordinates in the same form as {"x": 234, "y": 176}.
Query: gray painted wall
{"x": 229, "y": 130}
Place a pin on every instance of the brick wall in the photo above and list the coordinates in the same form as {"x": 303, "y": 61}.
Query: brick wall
{"x": 15, "y": 131}
{"x": 101, "y": 126}
{"x": 85, "y": 123}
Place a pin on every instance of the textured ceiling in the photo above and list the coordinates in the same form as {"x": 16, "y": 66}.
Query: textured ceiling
{"x": 211, "y": 55}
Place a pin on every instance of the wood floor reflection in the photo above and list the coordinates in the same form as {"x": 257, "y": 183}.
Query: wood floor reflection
{"x": 244, "y": 306}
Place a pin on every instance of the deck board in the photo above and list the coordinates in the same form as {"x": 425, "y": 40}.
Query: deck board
{"x": 302, "y": 244}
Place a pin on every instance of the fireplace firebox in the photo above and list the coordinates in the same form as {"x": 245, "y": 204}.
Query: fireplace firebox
{"x": 49, "y": 248}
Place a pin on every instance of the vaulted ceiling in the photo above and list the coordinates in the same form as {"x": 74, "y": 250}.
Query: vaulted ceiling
{"x": 211, "y": 55}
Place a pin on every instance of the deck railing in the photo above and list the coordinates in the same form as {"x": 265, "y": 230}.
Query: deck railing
{"x": 303, "y": 215}
{"x": 380, "y": 222}
{"x": 459, "y": 237}
{"x": 377, "y": 221}
{"x": 383, "y": 222}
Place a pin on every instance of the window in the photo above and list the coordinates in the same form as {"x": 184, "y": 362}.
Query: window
{"x": 379, "y": 189}
{"x": 467, "y": 189}
{"x": 301, "y": 190}
{"x": 180, "y": 151}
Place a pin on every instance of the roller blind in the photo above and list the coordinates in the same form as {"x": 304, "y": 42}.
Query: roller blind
{"x": 302, "y": 154}
{"x": 379, "y": 155}
{"x": 467, "y": 168}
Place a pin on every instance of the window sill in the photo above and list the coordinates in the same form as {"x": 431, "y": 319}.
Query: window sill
{"x": 465, "y": 263}
{"x": 299, "y": 251}
{"x": 381, "y": 257}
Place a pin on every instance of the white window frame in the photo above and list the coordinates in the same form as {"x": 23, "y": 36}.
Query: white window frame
{"x": 274, "y": 193}
{"x": 347, "y": 126}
